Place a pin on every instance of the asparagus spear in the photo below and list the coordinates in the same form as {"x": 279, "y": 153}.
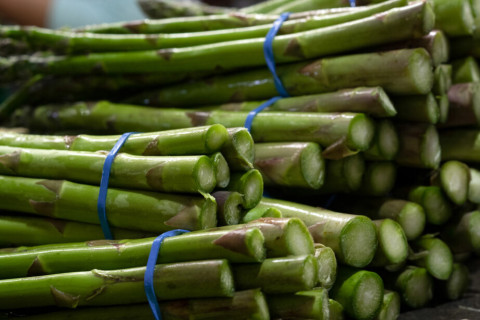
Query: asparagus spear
{"x": 392, "y": 243}
{"x": 336, "y": 310}
{"x": 343, "y": 176}
{"x": 360, "y": 292}
{"x": 444, "y": 106}
{"x": 460, "y": 144}
{"x": 248, "y": 184}
{"x": 420, "y": 108}
{"x": 352, "y": 237}
{"x": 465, "y": 70}
{"x": 390, "y": 309}
{"x": 379, "y": 179}
{"x": 458, "y": 283}
{"x": 222, "y": 171}
{"x": 454, "y": 178}
{"x": 442, "y": 79}
{"x": 434, "y": 255}
{"x": 203, "y": 279}
{"x": 18, "y": 98}
{"x": 248, "y": 303}
{"x": 290, "y": 164}
{"x": 228, "y": 207}
{"x": 474, "y": 186}
{"x": 407, "y": 71}
{"x": 415, "y": 286}
{"x": 385, "y": 143}
{"x": 419, "y": 146}
{"x": 160, "y": 9}
{"x": 18, "y": 231}
{"x": 463, "y": 235}
{"x": 257, "y": 213}
{"x": 168, "y": 174}
{"x": 238, "y": 150}
{"x": 464, "y": 109}
{"x": 437, "y": 208}
{"x": 372, "y": 101}
{"x": 454, "y": 17}
{"x": 312, "y": 304}
{"x": 154, "y": 212}
{"x": 327, "y": 265}
{"x": 278, "y": 275}
{"x": 189, "y": 141}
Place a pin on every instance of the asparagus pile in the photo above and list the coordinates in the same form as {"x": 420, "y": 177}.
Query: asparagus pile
{"x": 369, "y": 164}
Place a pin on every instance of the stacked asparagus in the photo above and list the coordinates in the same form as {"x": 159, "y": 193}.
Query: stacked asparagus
{"x": 326, "y": 139}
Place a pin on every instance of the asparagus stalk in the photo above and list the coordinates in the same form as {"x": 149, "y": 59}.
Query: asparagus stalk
{"x": 352, "y": 237}
{"x": 464, "y": 105}
{"x": 343, "y": 176}
{"x": 434, "y": 255}
{"x": 442, "y": 79}
{"x": 437, "y": 208}
{"x": 385, "y": 143}
{"x": 154, "y": 212}
{"x": 222, "y": 171}
{"x": 465, "y": 70}
{"x": 203, "y": 279}
{"x": 168, "y": 174}
{"x": 18, "y": 98}
{"x": 474, "y": 186}
{"x": 390, "y": 309}
{"x": 290, "y": 164}
{"x": 238, "y": 150}
{"x": 454, "y": 178}
{"x": 407, "y": 71}
{"x": 379, "y": 179}
{"x": 18, "y": 231}
{"x": 189, "y": 141}
{"x": 257, "y": 213}
{"x": 454, "y": 17}
{"x": 460, "y": 144}
{"x": 392, "y": 243}
{"x": 228, "y": 207}
{"x": 458, "y": 283}
{"x": 250, "y": 185}
{"x": 160, "y": 9}
{"x": 336, "y": 310}
{"x": 421, "y": 108}
{"x": 360, "y": 292}
{"x": 444, "y": 106}
{"x": 419, "y": 146}
{"x": 327, "y": 265}
{"x": 372, "y": 101}
{"x": 463, "y": 234}
{"x": 239, "y": 246}
{"x": 248, "y": 303}
{"x": 415, "y": 286}
{"x": 312, "y": 304}
{"x": 278, "y": 275}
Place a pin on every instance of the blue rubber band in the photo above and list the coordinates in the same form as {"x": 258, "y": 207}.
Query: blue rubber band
{"x": 150, "y": 270}
{"x": 353, "y": 3}
{"x": 268, "y": 52}
{"x": 102, "y": 195}
{"x": 252, "y": 114}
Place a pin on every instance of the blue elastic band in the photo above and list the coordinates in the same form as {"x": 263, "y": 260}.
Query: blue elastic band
{"x": 102, "y": 195}
{"x": 150, "y": 270}
{"x": 353, "y": 3}
{"x": 268, "y": 52}
{"x": 251, "y": 115}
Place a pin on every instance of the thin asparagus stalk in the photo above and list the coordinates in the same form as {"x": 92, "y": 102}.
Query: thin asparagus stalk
{"x": 379, "y": 179}
{"x": 392, "y": 243}
{"x": 228, "y": 207}
{"x": 385, "y": 143}
{"x": 464, "y": 109}
{"x": 327, "y": 265}
{"x": 154, "y": 212}
{"x": 460, "y": 144}
{"x": 238, "y": 150}
{"x": 189, "y": 174}
{"x": 454, "y": 179}
{"x": 312, "y": 304}
{"x": 454, "y": 17}
{"x": 395, "y": 25}
{"x": 407, "y": 71}
{"x": 465, "y": 70}
{"x": 248, "y": 184}
{"x": 352, "y": 237}
{"x": 336, "y": 310}
{"x": 244, "y": 304}
{"x": 18, "y": 98}
{"x": 434, "y": 255}
{"x": 462, "y": 47}
{"x": 463, "y": 235}
{"x": 437, "y": 208}
{"x": 160, "y": 9}
{"x": 222, "y": 171}
{"x": 474, "y": 186}
{"x": 372, "y": 101}
{"x": 444, "y": 106}
{"x": 442, "y": 79}
{"x": 257, "y": 213}
{"x": 458, "y": 283}
{"x": 203, "y": 279}
{"x": 419, "y": 146}
{"x": 360, "y": 292}
{"x": 239, "y": 246}
{"x": 343, "y": 176}
{"x": 390, "y": 309}
{"x": 18, "y": 231}
{"x": 189, "y": 141}
{"x": 278, "y": 275}
{"x": 415, "y": 286}
{"x": 297, "y": 164}
{"x": 420, "y": 108}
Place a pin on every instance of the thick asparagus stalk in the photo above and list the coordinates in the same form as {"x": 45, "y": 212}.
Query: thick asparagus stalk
{"x": 465, "y": 70}
{"x": 454, "y": 17}
{"x": 392, "y": 243}
{"x": 454, "y": 178}
{"x": 297, "y": 164}
{"x": 278, "y": 275}
{"x": 464, "y": 107}
{"x": 372, "y": 101}
{"x": 222, "y": 171}
{"x": 434, "y": 255}
{"x": 228, "y": 207}
{"x": 379, "y": 179}
{"x": 154, "y": 212}
{"x": 203, "y": 279}
{"x": 474, "y": 186}
{"x": 390, "y": 309}
{"x": 421, "y": 108}
{"x": 244, "y": 304}
{"x": 399, "y": 71}
{"x": 18, "y": 231}
{"x": 168, "y": 174}
{"x": 238, "y": 150}
{"x": 419, "y": 146}
{"x": 189, "y": 141}
{"x": 250, "y": 185}
{"x": 460, "y": 144}
{"x": 327, "y": 265}
{"x": 385, "y": 143}
{"x": 352, "y": 237}
{"x": 442, "y": 79}
{"x": 462, "y": 235}
{"x": 343, "y": 176}
{"x": 360, "y": 292}
{"x": 257, "y": 213}
{"x": 312, "y": 304}
{"x": 444, "y": 106}
{"x": 415, "y": 286}
{"x": 437, "y": 208}
{"x": 336, "y": 310}
{"x": 458, "y": 283}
